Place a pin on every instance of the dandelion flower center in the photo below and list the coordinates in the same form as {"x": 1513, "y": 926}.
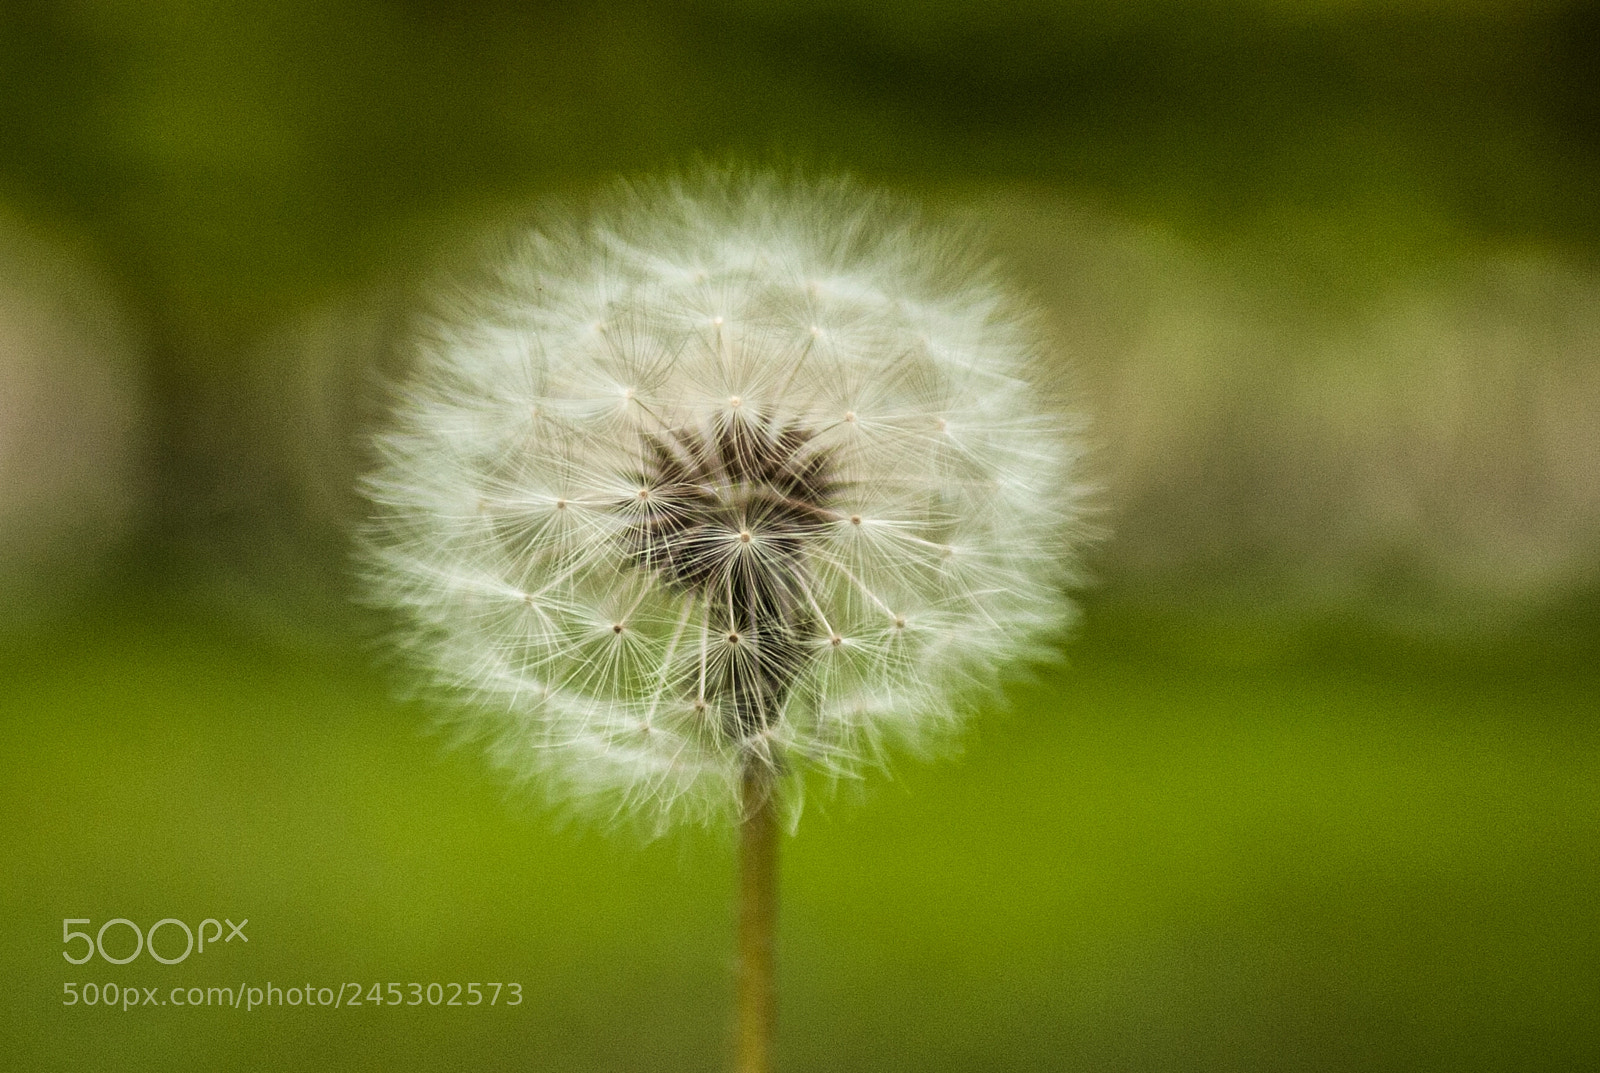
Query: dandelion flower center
{"x": 739, "y": 476}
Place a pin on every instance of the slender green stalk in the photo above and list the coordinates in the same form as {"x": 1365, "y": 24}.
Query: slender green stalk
{"x": 758, "y": 924}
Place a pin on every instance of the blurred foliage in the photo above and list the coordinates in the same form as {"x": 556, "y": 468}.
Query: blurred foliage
{"x": 245, "y": 169}
{"x": 234, "y": 156}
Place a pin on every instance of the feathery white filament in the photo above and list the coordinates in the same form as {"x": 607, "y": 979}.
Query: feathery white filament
{"x": 739, "y": 470}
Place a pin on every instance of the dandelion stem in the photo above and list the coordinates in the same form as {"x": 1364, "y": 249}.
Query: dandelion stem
{"x": 758, "y": 919}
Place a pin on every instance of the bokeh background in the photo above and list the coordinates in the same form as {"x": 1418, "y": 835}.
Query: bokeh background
{"x": 1316, "y": 784}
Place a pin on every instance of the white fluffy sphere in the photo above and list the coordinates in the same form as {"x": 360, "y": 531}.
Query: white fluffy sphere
{"x": 738, "y": 471}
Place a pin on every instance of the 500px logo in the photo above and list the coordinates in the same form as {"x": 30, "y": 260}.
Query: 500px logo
{"x": 145, "y": 941}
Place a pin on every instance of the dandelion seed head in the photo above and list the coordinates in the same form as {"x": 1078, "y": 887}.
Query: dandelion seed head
{"x": 678, "y": 488}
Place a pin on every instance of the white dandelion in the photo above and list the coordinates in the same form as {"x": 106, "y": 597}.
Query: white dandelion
{"x": 740, "y": 477}
{"x": 739, "y": 471}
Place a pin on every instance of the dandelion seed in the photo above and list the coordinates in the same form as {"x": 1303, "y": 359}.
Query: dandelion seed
{"x": 709, "y": 526}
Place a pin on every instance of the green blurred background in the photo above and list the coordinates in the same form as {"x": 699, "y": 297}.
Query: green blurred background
{"x": 1316, "y": 785}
